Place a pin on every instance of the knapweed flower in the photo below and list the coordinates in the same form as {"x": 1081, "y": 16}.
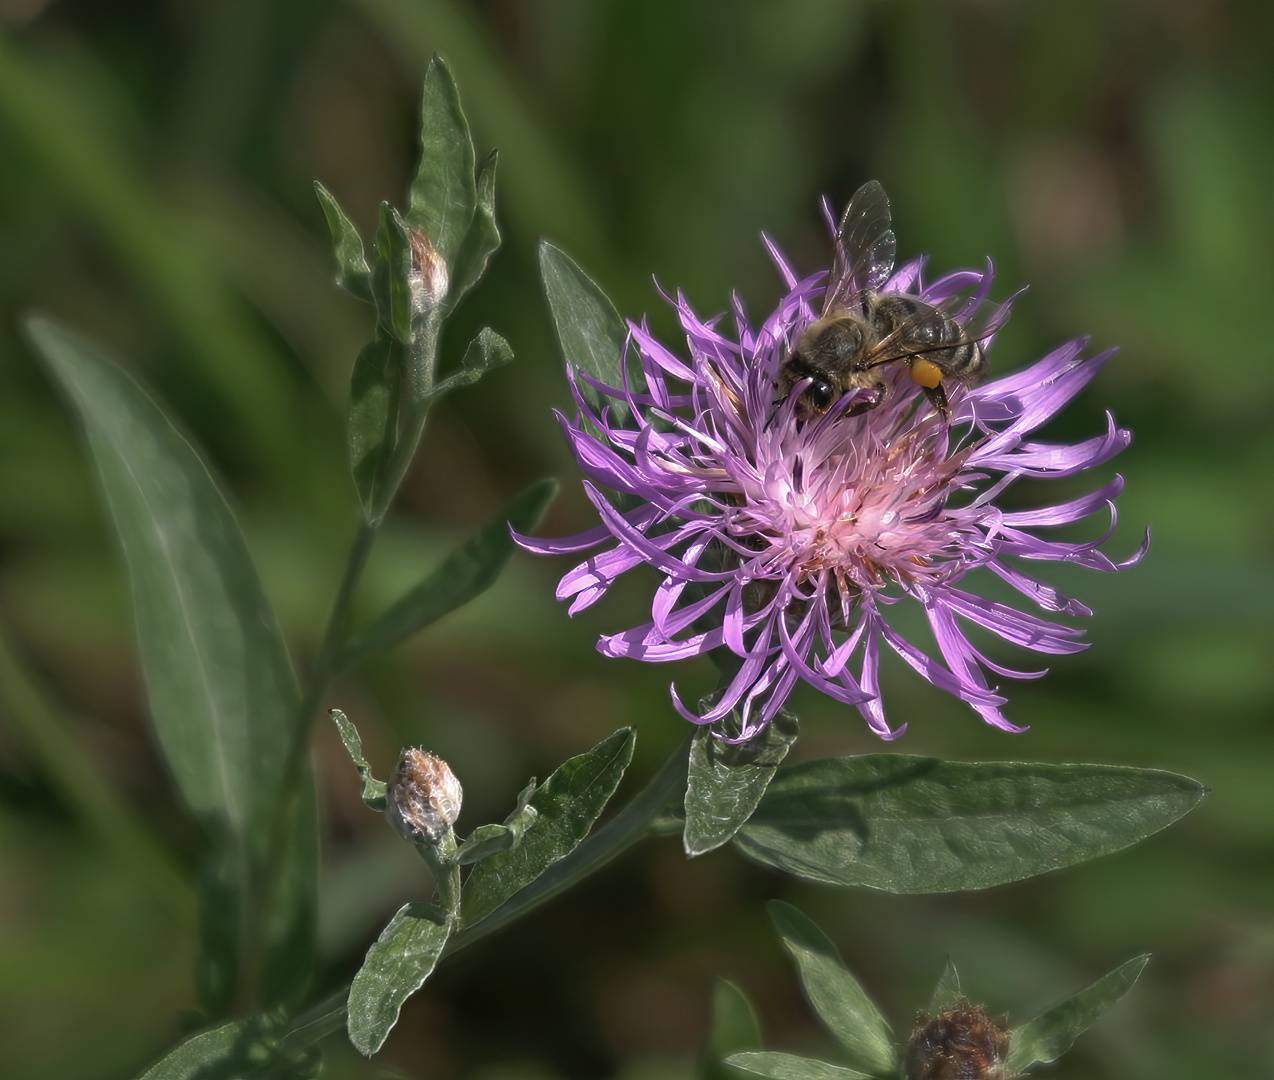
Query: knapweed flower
{"x": 787, "y": 540}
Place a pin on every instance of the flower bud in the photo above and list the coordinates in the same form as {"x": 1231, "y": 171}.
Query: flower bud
{"x": 429, "y": 278}
{"x": 422, "y": 799}
{"x": 961, "y": 1043}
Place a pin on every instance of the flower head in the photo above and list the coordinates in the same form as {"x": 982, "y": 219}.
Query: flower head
{"x": 786, "y": 538}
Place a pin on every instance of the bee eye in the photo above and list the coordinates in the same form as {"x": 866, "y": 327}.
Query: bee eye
{"x": 820, "y": 394}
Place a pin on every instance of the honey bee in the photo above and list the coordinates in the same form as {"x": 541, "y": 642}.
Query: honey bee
{"x": 861, "y": 330}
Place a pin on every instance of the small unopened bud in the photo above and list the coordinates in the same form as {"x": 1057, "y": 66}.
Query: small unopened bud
{"x": 961, "y": 1043}
{"x": 429, "y": 278}
{"x": 422, "y": 800}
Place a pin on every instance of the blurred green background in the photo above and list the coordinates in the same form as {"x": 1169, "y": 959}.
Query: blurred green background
{"x": 156, "y": 159}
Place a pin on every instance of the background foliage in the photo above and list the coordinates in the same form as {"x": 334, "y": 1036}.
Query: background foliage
{"x": 156, "y": 194}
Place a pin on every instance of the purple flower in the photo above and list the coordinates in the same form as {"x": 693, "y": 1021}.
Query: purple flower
{"x": 786, "y": 540}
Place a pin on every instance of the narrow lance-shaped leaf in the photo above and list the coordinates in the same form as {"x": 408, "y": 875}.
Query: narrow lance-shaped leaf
{"x": 443, "y": 192}
{"x": 948, "y": 991}
{"x": 780, "y": 1066}
{"x": 391, "y": 281}
{"x": 373, "y": 793}
{"x": 922, "y": 825}
{"x": 837, "y": 997}
{"x": 567, "y": 804}
{"x": 725, "y": 781}
{"x": 734, "y": 1028}
{"x": 482, "y": 239}
{"x": 352, "y": 272}
{"x": 396, "y": 966}
{"x": 372, "y": 429}
{"x": 246, "y": 1049}
{"x": 1050, "y": 1035}
{"x": 465, "y": 574}
{"x": 220, "y": 687}
{"x": 590, "y": 332}
{"x": 488, "y": 840}
{"x": 486, "y": 352}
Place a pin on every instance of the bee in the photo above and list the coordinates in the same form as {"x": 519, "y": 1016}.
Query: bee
{"x": 862, "y": 331}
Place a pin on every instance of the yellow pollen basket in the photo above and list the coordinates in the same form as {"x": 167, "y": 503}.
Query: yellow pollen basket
{"x": 926, "y": 374}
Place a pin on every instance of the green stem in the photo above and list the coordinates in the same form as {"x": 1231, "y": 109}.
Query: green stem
{"x": 317, "y": 1022}
{"x": 289, "y": 790}
{"x": 635, "y": 822}
{"x": 441, "y": 857}
{"x": 326, "y": 661}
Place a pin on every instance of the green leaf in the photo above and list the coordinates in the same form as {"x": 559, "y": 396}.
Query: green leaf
{"x": 727, "y": 780}
{"x": 567, "y": 803}
{"x": 835, "y": 994}
{"x": 373, "y": 793}
{"x": 221, "y": 914}
{"x": 396, "y": 966}
{"x": 392, "y": 278}
{"x": 921, "y": 825}
{"x": 352, "y": 271}
{"x": 947, "y": 992}
{"x": 466, "y": 573}
{"x": 589, "y": 330}
{"x": 488, "y": 840}
{"x": 482, "y": 239}
{"x": 220, "y": 687}
{"x": 443, "y": 193}
{"x": 1050, "y": 1035}
{"x": 780, "y": 1066}
{"x": 734, "y": 1028}
{"x": 241, "y": 1050}
{"x": 485, "y": 353}
{"x": 372, "y": 430}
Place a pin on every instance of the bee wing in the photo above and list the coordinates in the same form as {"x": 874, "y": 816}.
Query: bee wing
{"x": 977, "y": 318}
{"x": 865, "y": 248}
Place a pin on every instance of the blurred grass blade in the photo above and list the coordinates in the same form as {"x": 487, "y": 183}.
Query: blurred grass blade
{"x": 241, "y": 1050}
{"x": 726, "y": 780}
{"x": 67, "y": 764}
{"x": 443, "y": 192}
{"x": 779, "y": 1066}
{"x": 837, "y": 997}
{"x": 151, "y": 240}
{"x": 352, "y": 272}
{"x": 590, "y": 332}
{"x": 373, "y": 793}
{"x": 734, "y": 1028}
{"x": 1050, "y": 1035}
{"x": 567, "y": 804}
{"x": 465, "y": 574}
{"x": 922, "y": 825}
{"x": 396, "y": 966}
{"x": 221, "y": 692}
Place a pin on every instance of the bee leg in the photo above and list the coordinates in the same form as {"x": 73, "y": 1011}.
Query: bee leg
{"x": 876, "y": 397}
{"x": 775, "y": 411}
{"x": 938, "y": 396}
